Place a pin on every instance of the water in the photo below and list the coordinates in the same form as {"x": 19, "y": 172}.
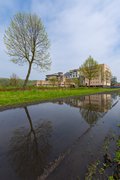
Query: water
{"x": 62, "y": 136}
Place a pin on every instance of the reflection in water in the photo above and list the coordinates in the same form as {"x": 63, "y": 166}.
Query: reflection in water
{"x": 89, "y": 114}
{"x": 95, "y": 107}
{"x": 29, "y": 149}
{"x": 91, "y": 107}
{"x": 28, "y": 146}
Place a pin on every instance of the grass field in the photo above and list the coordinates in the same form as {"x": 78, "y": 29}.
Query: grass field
{"x": 9, "y": 98}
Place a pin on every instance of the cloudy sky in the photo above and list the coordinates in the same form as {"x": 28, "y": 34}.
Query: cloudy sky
{"x": 76, "y": 29}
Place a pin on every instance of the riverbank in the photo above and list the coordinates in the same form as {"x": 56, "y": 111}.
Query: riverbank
{"x": 12, "y": 98}
{"x": 74, "y": 137}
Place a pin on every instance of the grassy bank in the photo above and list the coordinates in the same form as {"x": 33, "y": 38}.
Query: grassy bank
{"x": 9, "y": 98}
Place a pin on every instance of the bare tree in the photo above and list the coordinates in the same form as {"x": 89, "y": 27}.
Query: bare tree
{"x": 27, "y": 42}
{"x": 14, "y": 80}
{"x": 53, "y": 81}
{"x": 90, "y": 69}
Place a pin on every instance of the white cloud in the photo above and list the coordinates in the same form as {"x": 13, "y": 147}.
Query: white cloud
{"x": 82, "y": 29}
{"x": 76, "y": 29}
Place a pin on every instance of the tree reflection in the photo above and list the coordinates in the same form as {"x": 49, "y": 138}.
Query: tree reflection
{"x": 89, "y": 113}
{"x": 95, "y": 107}
{"x": 29, "y": 149}
{"x": 91, "y": 107}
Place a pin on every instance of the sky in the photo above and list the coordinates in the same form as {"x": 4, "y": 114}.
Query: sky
{"x": 76, "y": 30}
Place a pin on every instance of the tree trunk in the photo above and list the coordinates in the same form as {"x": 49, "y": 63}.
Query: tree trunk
{"x": 32, "y": 129}
{"x": 89, "y": 82}
{"x": 28, "y": 74}
{"x": 29, "y": 118}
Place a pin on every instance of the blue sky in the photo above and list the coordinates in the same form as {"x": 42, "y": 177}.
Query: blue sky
{"x": 76, "y": 29}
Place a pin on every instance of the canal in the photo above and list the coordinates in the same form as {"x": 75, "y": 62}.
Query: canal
{"x": 59, "y": 139}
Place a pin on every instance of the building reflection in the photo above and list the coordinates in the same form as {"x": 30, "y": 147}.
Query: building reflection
{"x": 91, "y": 107}
{"x": 29, "y": 149}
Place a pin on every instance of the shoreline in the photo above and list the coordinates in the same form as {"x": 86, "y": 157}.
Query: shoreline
{"x": 30, "y": 102}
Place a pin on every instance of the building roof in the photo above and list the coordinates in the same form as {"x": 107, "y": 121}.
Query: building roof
{"x": 73, "y": 70}
{"x": 55, "y": 74}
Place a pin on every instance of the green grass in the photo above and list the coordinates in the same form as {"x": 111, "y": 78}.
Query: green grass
{"x": 117, "y": 156}
{"x": 117, "y": 153}
{"x": 8, "y": 98}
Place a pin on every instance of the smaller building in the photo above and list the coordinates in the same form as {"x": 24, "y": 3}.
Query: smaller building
{"x": 75, "y": 74}
{"x": 117, "y": 85}
{"x": 58, "y": 76}
{"x": 43, "y": 83}
{"x": 67, "y": 75}
{"x": 72, "y": 74}
{"x": 56, "y": 79}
